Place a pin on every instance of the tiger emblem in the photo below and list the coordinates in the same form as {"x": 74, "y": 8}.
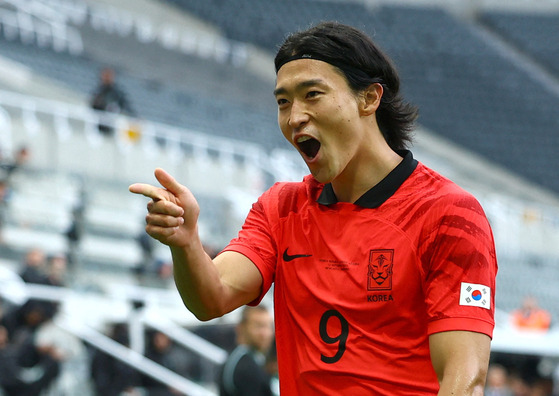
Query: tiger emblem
{"x": 380, "y": 269}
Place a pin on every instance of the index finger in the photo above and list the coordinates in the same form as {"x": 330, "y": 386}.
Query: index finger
{"x": 147, "y": 190}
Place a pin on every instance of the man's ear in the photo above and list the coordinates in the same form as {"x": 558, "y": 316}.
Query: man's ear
{"x": 370, "y": 99}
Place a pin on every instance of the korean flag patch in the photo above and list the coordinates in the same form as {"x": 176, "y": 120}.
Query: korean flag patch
{"x": 475, "y": 295}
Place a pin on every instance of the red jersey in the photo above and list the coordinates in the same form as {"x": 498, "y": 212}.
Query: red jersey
{"x": 360, "y": 287}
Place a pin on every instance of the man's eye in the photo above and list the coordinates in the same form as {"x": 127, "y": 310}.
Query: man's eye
{"x": 282, "y": 102}
{"x": 312, "y": 94}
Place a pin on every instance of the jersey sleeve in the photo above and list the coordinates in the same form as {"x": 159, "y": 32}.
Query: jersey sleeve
{"x": 460, "y": 266}
{"x": 256, "y": 241}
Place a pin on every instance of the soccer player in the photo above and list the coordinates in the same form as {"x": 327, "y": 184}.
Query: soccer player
{"x": 384, "y": 270}
{"x": 244, "y": 372}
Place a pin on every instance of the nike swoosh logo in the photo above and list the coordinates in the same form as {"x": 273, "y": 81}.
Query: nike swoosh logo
{"x": 289, "y": 257}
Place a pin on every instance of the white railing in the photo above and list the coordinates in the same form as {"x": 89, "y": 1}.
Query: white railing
{"x": 64, "y": 138}
{"x": 132, "y": 358}
{"x": 40, "y": 24}
{"x": 84, "y": 326}
{"x": 538, "y": 343}
{"x": 37, "y": 115}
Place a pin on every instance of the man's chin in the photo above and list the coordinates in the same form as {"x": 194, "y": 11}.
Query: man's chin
{"x": 321, "y": 176}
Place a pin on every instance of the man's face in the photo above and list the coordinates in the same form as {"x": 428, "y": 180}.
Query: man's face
{"x": 258, "y": 330}
{"x": 319, "y": 114}
{"x": 35, "y": 258}
{"x": 107, "y": 77}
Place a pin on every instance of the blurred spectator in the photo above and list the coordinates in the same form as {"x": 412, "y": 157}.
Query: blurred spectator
{"x": 7, "y": 169}
{"x": 530, "y": 316}
{"x": 4, "y": 191}
{"x": 111, "y": 377}
{"x": 28, "y": 366}
{"x": 2, "y": 310}
{"x": 20, "y": 159}
{"x": 164, "y": 351}
{"x": 272, "y": 368}
{"x": 4, "y": 198}
{"x": 542, "y": 387}
{"x": 23, "y": 321}
{"x": 164, "y": 271}
{"x": 519, "y": 385}
{"x": 75, "y": 231}
{"x": 35, "y": 270}
{"x": 108, "y": 97}
{"x": 152, "y": 271}
{"x": 497, "y": 381}
{"x": 57, "y": 266}
{"x": 147, "y": 266}
{"x": 244, "y": 373}
{"x": 34, "y": 267}
{"x": 72, "y": 354}
{"x": 24, "y": 369}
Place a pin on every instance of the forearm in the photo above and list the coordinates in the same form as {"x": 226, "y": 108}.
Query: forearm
{"x": 198, "y": 281}
{"x": 460, "y": 359}
{"x": 462, "y": 384}
{"x": 212, "y": 288}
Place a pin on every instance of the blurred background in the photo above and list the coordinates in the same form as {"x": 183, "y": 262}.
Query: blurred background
{"x": 94, "y": 94}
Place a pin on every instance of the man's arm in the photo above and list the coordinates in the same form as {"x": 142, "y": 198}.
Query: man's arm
{"x": 209, "y": 288}
{"x": 460, "y": 359}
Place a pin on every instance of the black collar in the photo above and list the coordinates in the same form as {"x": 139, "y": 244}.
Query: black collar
{"x": 379, "y": 193}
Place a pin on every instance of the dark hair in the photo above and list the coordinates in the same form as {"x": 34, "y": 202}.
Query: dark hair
{"x": 362, "y": 63}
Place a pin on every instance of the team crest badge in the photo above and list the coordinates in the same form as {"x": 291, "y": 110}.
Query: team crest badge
{"x": 379, "y": 276}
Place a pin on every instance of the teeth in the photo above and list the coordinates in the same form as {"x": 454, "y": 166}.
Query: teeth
{"x": 303, "y": 139}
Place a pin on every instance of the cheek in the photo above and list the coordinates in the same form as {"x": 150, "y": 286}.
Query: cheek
{"x": 286, "y": 132}
{"x": 282, "y": 123}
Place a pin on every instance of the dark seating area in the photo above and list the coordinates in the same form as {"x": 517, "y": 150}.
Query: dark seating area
{"x": 266, "y": 23}
{"x": 471, "y": 95}
{"x": 466, "y": 91}
{"x": 534, "y": 34}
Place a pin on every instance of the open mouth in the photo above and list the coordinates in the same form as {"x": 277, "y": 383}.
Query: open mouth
{"x": 309, "y": 146}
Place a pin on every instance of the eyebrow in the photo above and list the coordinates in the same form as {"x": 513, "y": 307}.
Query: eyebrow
{"x": 302, "y": 84}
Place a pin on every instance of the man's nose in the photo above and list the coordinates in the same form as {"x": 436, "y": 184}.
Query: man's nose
{"x": 298, "y": 115}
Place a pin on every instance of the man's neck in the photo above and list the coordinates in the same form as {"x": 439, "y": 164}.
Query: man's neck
{"x": 360, "y": 178}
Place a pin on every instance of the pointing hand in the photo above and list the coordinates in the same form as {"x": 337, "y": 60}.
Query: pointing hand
{"x": 172, "y": 212}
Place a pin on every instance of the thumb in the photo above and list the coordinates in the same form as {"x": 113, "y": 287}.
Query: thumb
{"x": 169, "y": 182}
